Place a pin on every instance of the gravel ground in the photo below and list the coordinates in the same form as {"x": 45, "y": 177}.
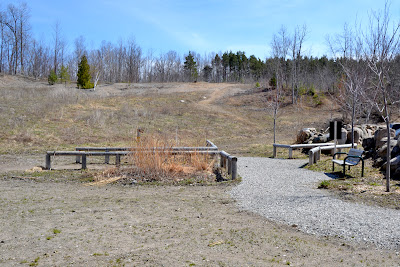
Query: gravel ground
{"x": 282, "y": 191}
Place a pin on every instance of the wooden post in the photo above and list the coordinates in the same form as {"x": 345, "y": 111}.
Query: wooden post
{"x": 84, "y": 162}
{"x": 78, "y": 159}
{"x": 48, "y": 162}
{"x": 274, "y": 151}
{"x": 221, "y": 161}
{"x": 117, "y": 160}
{"x": 224, "y": 158}
{"x": 234, "y": 168}
{"x": 335, "y": 136}
{"x": 107, "y": 157}
{"x": 229, "y": 165}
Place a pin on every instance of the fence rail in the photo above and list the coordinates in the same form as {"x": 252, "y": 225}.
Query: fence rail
{"x": 315, "y": 153}
{"x": 227, "y": 161}
{"x": 297, "y": 146}
{"x": 209, "y": 147}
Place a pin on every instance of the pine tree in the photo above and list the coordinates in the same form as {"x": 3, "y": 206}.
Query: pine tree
{"x": 52, "y": 78}
{"x": 190, "y": 67}
{"x": 63, "y": 75}
{"x": 84, "y": 76}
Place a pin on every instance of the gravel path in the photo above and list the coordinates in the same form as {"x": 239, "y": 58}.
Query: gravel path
{"x": 283, "y": 192}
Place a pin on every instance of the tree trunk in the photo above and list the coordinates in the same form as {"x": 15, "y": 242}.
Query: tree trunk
{"x": 388, "y": 157}
{"x": 353, "y": 114}
{"x": 387, "y": 117}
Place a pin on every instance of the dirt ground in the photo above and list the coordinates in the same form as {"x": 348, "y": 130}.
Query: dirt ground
{"x": 67, "y": 223}
{"x": 70, "y": 224}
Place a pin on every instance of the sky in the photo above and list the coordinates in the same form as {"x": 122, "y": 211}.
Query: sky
{"x": 202, "y": 26}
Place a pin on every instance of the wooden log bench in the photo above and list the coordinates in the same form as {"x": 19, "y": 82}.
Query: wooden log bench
{"x": 84, "y": 154}
{"x": 297, "y": 146}
{"x": 209, "y": 147}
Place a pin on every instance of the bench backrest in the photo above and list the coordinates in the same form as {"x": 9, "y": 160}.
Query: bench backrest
{"x": 354, "y": 152}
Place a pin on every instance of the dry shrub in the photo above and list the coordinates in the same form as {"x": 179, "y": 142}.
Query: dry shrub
{"x": 154, "y": 160}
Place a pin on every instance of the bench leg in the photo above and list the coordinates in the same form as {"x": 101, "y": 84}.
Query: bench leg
{"x": 48, "y": 162}
{"x": 290, "y": 153}
{"x": 83, "y": 162}
{"x": 117, "y": 160}
{"x": 274, "y": 152}
{"x": 234, "y": 168}
{"x": 344, "y": 170}
{"x": 229, "y": 165}
{"x": 362, "y": 169}
{"x": 107, "y": 158}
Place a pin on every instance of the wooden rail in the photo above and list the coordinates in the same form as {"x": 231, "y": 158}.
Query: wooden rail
{"x": 315, "y": 153}
{"x": 229, "y": 163}
{"x": 117, "y": 154}
{"x": 209, "y": 147}
{"x": 297, "y": 146}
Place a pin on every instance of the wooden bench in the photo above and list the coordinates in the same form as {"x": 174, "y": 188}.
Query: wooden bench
{"x": 209, "y": 147}
{"x": 297, "y": 146}
{"x": 117, "y": 154}
{"x": 84, "y": 155}
{"x": 352, "y": 158}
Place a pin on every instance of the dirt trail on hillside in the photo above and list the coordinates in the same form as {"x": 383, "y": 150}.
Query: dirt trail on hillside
{"x": 217, "y": 95}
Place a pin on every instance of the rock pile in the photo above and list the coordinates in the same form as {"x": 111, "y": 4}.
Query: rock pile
{"x": 311, "y": 135}
{"x": 373, "y": 139}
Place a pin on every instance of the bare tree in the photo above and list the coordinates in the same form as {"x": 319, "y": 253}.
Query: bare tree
{"x": 133, "y": 61}
{"x": 80, "y": 50}
{"x": 381, "y": 46}
{"x": 280, "y": 47}
{"x": 58, "y": 44}
{"x": 24, "y": 32}
{"x": 349, "y": 46}
{"x": 297, "y": 45}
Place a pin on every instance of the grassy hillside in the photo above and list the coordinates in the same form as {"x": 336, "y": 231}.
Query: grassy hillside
{"x": 36, "y": 117}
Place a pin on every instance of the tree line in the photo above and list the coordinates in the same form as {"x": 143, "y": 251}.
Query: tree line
{"x": 125, "y": 60}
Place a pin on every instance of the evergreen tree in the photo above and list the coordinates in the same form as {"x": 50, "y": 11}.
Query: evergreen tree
{"x": 63, "y": 75}
{"x": 207, "y": 72}
{"x": 190, "y": 67}
{"x": 217, "y": 66}
{"x": 84, "y": 76}
{"x": 225, "y": 64}
{"x": 52, "y": 78}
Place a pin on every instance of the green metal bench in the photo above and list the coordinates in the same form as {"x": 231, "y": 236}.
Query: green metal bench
{"x": 353, "y": 157}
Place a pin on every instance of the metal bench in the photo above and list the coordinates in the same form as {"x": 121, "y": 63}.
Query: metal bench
{"x": 352, "y": 158}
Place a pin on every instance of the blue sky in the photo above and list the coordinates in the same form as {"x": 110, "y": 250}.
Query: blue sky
{"x": 202, "y": 26}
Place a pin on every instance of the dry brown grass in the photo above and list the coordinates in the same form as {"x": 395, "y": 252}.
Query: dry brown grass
{"x": 152, "y": 160}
